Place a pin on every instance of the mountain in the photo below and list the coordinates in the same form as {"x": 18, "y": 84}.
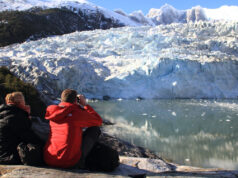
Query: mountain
{"x": 36, "y": 23}
{"x": 165, "y": 15}
{"x": 166, "y": 54}
{"x": 168, "y": 14}
{"x": 180, "y": 60}
{"x": 22, "y": 20}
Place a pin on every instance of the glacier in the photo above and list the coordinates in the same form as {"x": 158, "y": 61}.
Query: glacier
{"x": 192, "y": 60}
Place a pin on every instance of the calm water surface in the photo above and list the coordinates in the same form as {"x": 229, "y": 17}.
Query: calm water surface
{"x": 192, "y": 132}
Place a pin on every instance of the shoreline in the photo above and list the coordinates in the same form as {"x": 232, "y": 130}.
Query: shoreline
{"x": 134, "y": 160}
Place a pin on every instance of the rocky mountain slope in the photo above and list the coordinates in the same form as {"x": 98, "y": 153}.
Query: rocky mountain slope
{"x": 36, "y": 23}
{"x": 22, "y": 20}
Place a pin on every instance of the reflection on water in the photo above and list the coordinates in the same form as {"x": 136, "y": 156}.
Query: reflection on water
{"x": 193, "y": 132}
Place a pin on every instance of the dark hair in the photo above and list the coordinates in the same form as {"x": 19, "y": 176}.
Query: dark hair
{"x": 68, "y": 95}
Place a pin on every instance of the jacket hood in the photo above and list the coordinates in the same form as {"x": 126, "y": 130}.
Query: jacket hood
{"x": 59, "y": 112}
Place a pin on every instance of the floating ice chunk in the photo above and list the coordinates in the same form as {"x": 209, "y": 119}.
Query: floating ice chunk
{"x": 119, "y": 99}
{"x": 144, "y": 114}
{"x": 154, "y": 116}
{"x": 203, "y": 114}
{"x": 174, "y": 113}
{"x": 93, "y": 101}
{"x": 174, "y": 83}
{"x": 228, "y": 120}
{"x": 187, "y": 159}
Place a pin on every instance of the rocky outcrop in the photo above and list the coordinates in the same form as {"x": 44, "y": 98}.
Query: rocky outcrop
{"x": 36, "y": 23}
{"x": 129, "y": 167}
{"x": 126, "y": 149}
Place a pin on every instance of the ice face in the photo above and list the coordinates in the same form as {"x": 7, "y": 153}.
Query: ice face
{"x": 194, "y": 60}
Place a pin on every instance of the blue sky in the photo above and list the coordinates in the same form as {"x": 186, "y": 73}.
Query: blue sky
{"x": 129, "y": 6}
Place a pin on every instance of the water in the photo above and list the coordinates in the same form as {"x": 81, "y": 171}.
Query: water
{"x": 192, "y": 132}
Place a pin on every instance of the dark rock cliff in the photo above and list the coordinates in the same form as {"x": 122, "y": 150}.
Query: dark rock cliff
{"x": 36, "y": 23}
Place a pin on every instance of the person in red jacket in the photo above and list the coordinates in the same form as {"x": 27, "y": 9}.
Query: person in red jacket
{"x": 68, "y": 145}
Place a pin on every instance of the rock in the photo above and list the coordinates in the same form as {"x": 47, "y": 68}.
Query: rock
{"x": 126, "y": 149}
{"x": 107, "y": 122}
{"x": 29, "y": 172}
{"x": 106, "y": 98}
{"x": 157, "y": 167}
{"x": 132, "y": 167}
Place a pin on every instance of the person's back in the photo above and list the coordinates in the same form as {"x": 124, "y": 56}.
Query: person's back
{"x": 14, "y": 128}
{"x": 63, "y": 148}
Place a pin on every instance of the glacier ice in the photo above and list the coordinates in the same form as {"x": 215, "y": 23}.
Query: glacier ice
{"x": 193, "y": 60}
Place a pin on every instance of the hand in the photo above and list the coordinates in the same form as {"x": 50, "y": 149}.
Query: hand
{"x": 82, "y": 99}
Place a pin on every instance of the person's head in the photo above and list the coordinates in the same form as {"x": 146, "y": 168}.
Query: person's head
{"x": 15, "y": 98}
{"x": 69, "y": 95}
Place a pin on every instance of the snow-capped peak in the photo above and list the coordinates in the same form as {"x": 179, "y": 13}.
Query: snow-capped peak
{"x": 167, "y": 14}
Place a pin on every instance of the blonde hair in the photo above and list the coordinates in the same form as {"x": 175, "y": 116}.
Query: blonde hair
{"x": 15, "y": 98}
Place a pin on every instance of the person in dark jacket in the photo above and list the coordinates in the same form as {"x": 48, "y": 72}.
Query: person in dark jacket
{"x": 15, "y": 128}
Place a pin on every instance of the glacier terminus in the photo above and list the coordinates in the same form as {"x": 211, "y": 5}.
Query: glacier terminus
{"x": 179, "y": 60}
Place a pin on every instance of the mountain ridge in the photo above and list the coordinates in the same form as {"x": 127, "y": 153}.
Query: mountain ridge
{"x": 22, "y": 20}
{"x": 127, "y": 19}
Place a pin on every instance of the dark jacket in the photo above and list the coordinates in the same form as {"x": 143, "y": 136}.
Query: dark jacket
{"x": 15, "y": 128}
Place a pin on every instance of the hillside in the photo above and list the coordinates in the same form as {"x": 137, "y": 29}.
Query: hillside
{"x": 33, "y": 24}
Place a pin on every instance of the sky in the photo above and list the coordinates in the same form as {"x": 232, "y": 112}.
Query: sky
{"x": 129, "y": 6}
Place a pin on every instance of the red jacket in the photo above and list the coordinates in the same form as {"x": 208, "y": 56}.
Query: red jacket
{"x": 63, "y": 148}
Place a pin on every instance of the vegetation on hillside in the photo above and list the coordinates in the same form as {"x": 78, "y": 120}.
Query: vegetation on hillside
{"x": 36, "y": 23}
{"x": 10, "y": 83}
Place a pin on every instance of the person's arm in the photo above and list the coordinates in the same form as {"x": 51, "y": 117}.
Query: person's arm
{"x": 88, "y": 116}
